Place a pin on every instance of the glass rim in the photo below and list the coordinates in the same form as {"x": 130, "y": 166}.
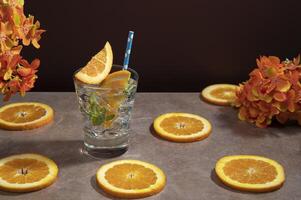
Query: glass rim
{"x": 97, "y": 87}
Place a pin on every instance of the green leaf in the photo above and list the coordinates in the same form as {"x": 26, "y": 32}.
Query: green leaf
{"x": 93, "y": 99}
{"x": 97, "y": 113}
{"x": 102, "y": 110}
{"x": 94, "y": 109}
{"x": 110, "y": 117}
{"x": 129, "y": 88}
{"x": 98, "y": 120}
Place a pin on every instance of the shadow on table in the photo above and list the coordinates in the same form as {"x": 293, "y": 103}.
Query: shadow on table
{"x": 64, "y": 153}
{"x": 216, "y": 180}
{"x": 153, "y": 132}
{"x": 2, "y": 193}
{"x": 228, "y": 119}
{"x": 97, "y": 189}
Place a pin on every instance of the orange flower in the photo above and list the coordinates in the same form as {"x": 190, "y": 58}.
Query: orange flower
{"x": 273, "y": 88}
{"x": 16, "y": 74}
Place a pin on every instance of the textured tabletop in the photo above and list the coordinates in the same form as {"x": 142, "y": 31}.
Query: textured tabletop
{"x": 189, "y": 167}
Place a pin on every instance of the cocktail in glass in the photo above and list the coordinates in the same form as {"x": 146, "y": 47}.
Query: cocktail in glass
{"x": 106, "y": 114}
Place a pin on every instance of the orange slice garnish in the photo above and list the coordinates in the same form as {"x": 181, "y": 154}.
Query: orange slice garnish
{"x": 220, "y": 94}
{"x": 182, "y": 127}
{"x": 25, "y": 115}
{"x": 26, "y": 173}
{"x": 98, "y": 67}
{"x": 115, "y": 84}
{"x": 250, "y": 173}
{"x": 130, "y": 179}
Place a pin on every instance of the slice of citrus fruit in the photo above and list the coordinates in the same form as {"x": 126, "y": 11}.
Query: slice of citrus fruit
{"x": 182, "y": 127}
{"x": 220, "y": 94}
{"x": 250, "y": 173}
{"x": 26, "y": 173}
{"x": 115, "y": 84}
{"x": 98, "y": 67}
{"x": 25, "y": 115}
{"x": 130, "y": 179}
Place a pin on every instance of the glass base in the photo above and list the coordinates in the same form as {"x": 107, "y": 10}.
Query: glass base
{"x": 103, "y": 152}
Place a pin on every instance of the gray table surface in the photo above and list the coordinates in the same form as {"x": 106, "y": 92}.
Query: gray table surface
{"x": 189, "y": 167}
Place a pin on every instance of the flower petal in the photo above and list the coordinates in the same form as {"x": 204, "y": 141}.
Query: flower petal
{"x": 22, "y": 71}
{"x": 279, "y": 96}
{"x": 283, "y": 85}
{"x": 8, "y": 74}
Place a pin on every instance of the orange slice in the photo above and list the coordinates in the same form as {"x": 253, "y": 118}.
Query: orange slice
{"x": 220, "y": 94}
{"x": 26, "y": 173}
{"x": 98, "y": 67}
{"x": 130, "y": 179}
{"x": 115, "y": 84}
{"x": 250, "y": 173}
{"x": 182, "y": 127}
{"x": 25, "y": 115}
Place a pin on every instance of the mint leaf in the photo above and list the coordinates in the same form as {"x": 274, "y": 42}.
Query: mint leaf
{"x": 96, "y": 113}
{"x": 110, "y": 117}
{"x": 93, "y": 99}
{"x": 129, "y": 88}
{"x": 98, "y": 120}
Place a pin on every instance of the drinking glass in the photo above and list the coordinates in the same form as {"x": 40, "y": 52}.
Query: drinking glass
{"x": 107, "y": 114}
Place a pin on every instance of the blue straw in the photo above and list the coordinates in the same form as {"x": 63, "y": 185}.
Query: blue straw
{"x": 128, "y": 50}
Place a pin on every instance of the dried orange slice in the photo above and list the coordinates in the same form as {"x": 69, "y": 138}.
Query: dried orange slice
{"x": 130, "y": 179}
{"x": 220, "y": 94}
{"x": 26, "y": 173}
{"x": 25, "y": 115}
{"x": 182, "y": 127}
{"x": 250, "y": 173}
{"x": 98, "y": 67}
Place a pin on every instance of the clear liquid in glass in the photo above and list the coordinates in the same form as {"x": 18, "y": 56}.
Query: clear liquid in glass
{"x": 106, "y": 129}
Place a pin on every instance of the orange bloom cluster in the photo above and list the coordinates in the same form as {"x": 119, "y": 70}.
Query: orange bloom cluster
{"x": 273, "y": 91}
{"x": 16, "y": 74}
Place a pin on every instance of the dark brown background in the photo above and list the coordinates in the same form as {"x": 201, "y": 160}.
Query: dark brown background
{"x": 178, "y": 45}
